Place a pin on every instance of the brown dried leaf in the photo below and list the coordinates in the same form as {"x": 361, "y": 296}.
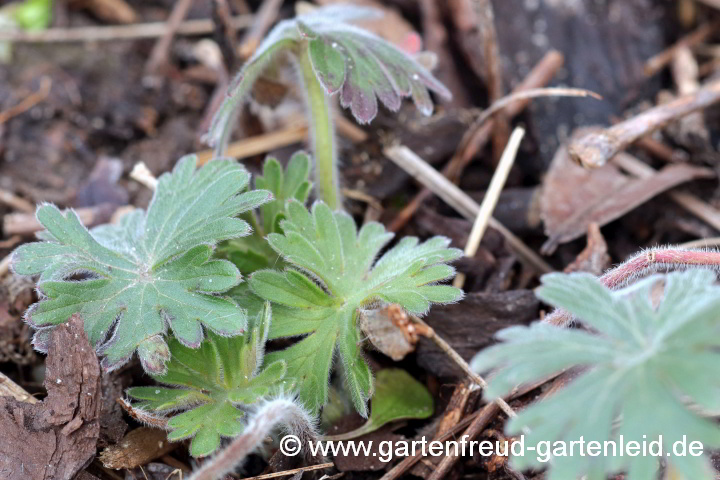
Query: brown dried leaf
{"x": 389, "y": 330}
{"x": 574, "y": 197}
{"x": 594, "y": 258}
{"x": 53, "y": 439}
{"x": 139, "y": 447}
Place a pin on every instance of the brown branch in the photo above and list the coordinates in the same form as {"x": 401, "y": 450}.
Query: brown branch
{"x": 160, "y": 54}
{"x": 117, "y": 32}
{"x": 662, "y": 59}
{"x": 28, "y": 102}
{"x": 460, "y": 201}
{"x": 594, "y": 149}
{"x": 264, "y": 18}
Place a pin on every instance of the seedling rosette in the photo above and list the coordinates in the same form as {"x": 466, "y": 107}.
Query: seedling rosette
{"x": 150, "y": 273}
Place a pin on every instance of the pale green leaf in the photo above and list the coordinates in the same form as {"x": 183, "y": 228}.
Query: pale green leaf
{"x": 333, "y": 275}
{"x": 648, "y": 371}
{"x": 212, "y": 386}
{"x": 398, "y": 396}
{"x": 354, "y": 63}
{"x": 150, "y": 272}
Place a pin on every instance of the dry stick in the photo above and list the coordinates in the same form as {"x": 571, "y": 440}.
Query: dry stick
{"x": 486, "y": 25}
{"x": 484, "y": 415}
{"x": 595, "y": 148}
{"x": 701, "y": 243}
{"x": 264, "y": 18}
{"x": 117, "y": 32}
{"x": 478, "y": 134}
{"x": 8, "y": 388}
{"x": 534, "y": 93}
{"x": 291, "y": 472}
{"x": 459, "y": 200}
{"x": 662, "y": 59}
{"x": 28, "y": 102}
{"x": 475, "y": 428}
{"x": 161, "y": 50}
{"x": 248, "y": 147}
{"x": 712, "y": 3}
{"x": 12, "y": 200}
{"x": 142, "y": 174}
{"x": 428, "y": 332}
{"x": 258, "y": 144}
{"x": 689, "y": 202}
{"x": 490, "y": 200}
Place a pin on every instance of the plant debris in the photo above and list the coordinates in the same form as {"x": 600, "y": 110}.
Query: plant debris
{"x": 57, "y": 437}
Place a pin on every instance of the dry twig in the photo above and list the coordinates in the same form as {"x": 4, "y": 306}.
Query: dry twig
{"x": 662, "y": 59}
{"x": 264, "y": 18}
{"x": 28, "y": 102}
{"x": 491, "y": 197}
{"x": 594, "y": 149}
{"x": 459, "y": 200}
{"x": 117, "y": 32}
{"x": 478, "y": 134}
{"x": 159, "y": 57}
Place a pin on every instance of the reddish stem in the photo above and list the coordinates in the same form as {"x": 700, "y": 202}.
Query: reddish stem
{"x": 642, "y": 264}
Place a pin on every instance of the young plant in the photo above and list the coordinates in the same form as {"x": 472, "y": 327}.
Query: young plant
{"x": 650, "y": 369}
{"x": 252, "y": 252}
{"x": 333, "y": 275}
{"x": 333, "y": 57}
{"x": 213, "y": 386}
{"x": 151, "y": 271}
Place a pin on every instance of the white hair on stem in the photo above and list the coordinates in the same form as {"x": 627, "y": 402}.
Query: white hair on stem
{"x": 653, "y": 260}
{"x": 272, "y": 413}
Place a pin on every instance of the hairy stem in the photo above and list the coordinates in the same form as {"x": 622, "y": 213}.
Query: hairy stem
{"x": 323, "y": 135}
{"x": 646, "y": 263}
{"x": 276, "y": 412}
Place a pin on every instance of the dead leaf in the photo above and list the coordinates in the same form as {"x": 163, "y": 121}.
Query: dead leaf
{"x": 573, "y": 197}
{"x": 594, "y": 258}
{"x": 389, "y": 330}
{"x": 140, "y": 446}
{"x": 55, "y": 438}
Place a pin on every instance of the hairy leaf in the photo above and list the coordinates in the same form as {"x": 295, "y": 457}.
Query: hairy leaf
{"x": 398, "y": 396}
{"x": 651, "y": 367}
{"x": 151, "y": 271}
{"x": 333, "y": 275}
{"x": 211, "y": 385}
{"x": 253, "y": 253}
{"x": 347, "y": 60}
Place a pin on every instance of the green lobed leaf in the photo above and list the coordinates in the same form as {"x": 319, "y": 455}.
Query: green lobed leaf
{"x": 252, "y": 253}
{"x": 354, "y": 63}
{"x": 398, "y": 396}
{"x": 651, "y": 368}
{"x": 334, "y": 274}
{"x": 151, "y": 271}
{"x": 212, "y": 386}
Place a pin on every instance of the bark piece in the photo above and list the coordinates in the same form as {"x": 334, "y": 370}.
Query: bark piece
{"x": 470, "y": 325}
{"x": 574, "y": 197}
{"x": 55, "y": 438}
{"x": 140, "y": 446}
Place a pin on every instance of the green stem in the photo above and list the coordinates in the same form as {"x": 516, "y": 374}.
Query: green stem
{"x": 323, "y": 135}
